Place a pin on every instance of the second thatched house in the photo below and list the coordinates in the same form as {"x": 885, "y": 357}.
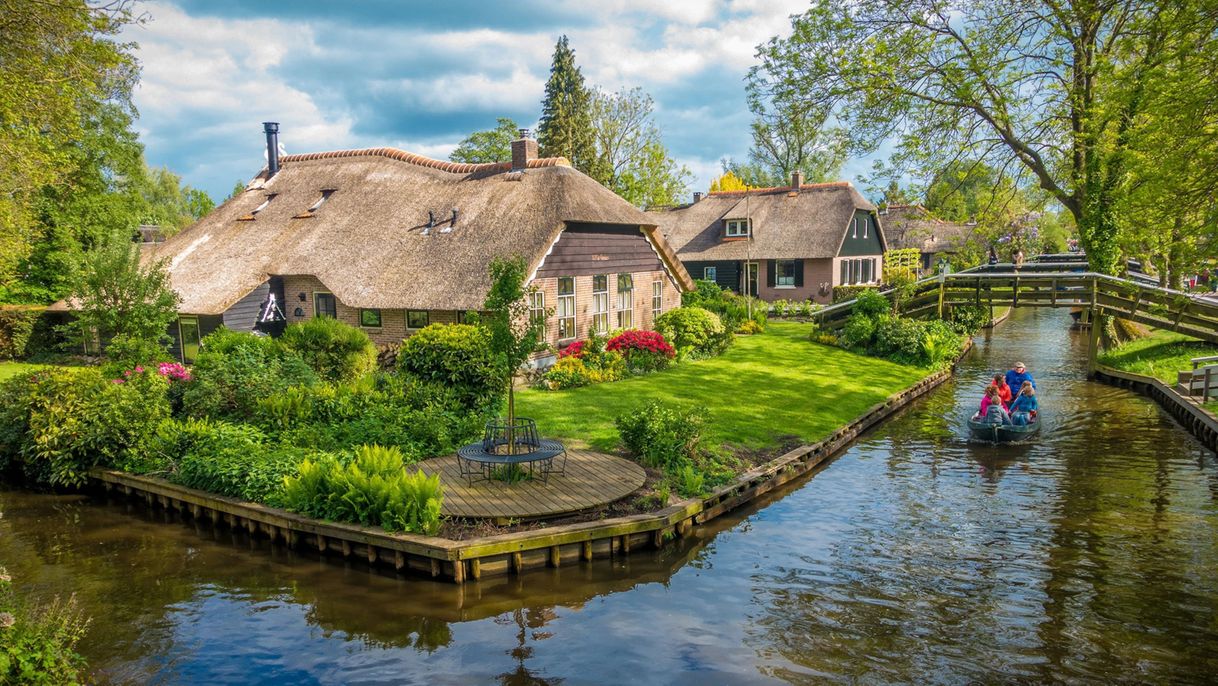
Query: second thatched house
{"x": 913, "y": 227}
{"x": 793, "y": 243}
{"x": 390, "y": 242}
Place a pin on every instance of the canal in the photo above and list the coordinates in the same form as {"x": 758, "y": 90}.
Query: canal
{"x": 1089, "y": 555}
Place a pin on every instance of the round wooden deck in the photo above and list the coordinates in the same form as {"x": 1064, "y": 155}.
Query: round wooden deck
{"x": 592, "y": 480}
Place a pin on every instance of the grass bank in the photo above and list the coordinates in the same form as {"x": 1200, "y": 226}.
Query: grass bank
{"x": 11, "y": 369}
{"x": 1161, "y": 354}
{"x": 766, "y": 390}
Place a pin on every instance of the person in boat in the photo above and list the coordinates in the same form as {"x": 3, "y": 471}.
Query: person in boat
{"x": 992, "y": 409}
{"x": 1004, "y": 391}
{"x": 1023, "y": 409}
{"x": 1018, "y": 375}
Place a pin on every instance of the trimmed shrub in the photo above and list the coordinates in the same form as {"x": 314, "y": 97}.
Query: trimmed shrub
{"x": 567, "y": 372}
{"x": 457, "y": 356}
{"x": 372, "y": 489}
{"x": 694, "y": 331}
{"x": 858, "y": 332}
{"x": 234, "y": 371}
{"x": 871, "y": 304}
{"x": 662, "y": 436}
{"x": 749, "y": 328}
{"x": 334, "y": 350}
{"x": 78, "y": 419}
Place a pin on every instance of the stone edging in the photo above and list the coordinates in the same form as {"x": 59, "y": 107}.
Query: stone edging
{"x": 1196, "y": 419}
{"x": 463, "y": 561}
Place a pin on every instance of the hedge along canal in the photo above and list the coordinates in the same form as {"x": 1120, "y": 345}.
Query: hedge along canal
{"x": 917, "y": 557}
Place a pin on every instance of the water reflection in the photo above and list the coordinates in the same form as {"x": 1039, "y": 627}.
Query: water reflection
{"x": 916, "y": 556}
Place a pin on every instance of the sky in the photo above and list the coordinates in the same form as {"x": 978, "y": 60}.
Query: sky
{"x": 420, "y": 76}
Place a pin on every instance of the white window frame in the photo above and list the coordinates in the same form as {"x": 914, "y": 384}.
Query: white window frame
{"x": 657, "y": 298}
{"x": 737, "y": 228}
{"x": 778, "y": 278}
{"x": 866, "y": 223}
{"x": 600, "y": 305}
{"x": 710, "y": 273}
{"x": 625, "y": 302}
{"x": 182, "y": 339}
{"x": 855, "y": 233}
{"x": 565, "y": 311}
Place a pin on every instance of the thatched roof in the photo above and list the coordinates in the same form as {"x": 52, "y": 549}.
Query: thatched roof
{"x": 786, "y": 224}
{"x": 369, "y": 242}
{"x": 912, "y": 226}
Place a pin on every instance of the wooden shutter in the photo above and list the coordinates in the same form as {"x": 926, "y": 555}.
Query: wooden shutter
{"x": 771, "y": 270}
{"x": 799, "y": 273}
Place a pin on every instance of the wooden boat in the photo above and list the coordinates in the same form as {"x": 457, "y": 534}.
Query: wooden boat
{"x": 990, "y": 432}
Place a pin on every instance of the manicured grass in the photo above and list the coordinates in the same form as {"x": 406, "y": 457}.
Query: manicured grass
{"x": 766, "y": 387}
{"x": 1161, "y": 355}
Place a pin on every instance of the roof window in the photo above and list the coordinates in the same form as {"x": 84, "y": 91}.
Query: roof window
{"x": 325, "y": 195}
{"x": 250, "y": 217}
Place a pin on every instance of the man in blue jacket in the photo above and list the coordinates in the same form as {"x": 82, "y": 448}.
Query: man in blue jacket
{"x": 1017, "y": 376}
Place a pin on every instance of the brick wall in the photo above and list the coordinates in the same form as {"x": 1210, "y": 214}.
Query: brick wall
{"x": 393, "y": 322}
{"x": 641, "y": 302}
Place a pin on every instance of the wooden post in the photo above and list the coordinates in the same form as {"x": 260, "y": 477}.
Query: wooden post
{"x": 517, "y": 562}
{"x": 555, "y": 558}
{"x": 942, "y": 286}
{"x": 475, "y": 568}
{"x": 1093, "y": 342}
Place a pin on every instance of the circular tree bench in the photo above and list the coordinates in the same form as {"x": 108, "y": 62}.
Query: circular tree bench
{"x": 479, "y": 461}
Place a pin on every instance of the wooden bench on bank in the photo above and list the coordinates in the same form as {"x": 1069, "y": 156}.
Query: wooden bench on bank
{"x": 1202, "y": 380}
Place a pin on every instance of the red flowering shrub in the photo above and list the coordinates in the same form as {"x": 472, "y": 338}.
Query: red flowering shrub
{"x": 646, "y": 341}
{"x": 645, "y": 351}
{"x": 576, "y": 350}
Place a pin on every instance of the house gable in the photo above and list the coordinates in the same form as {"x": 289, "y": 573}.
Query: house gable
{"x": 862, "y": 236}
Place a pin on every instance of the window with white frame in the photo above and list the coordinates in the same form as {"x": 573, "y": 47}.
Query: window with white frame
{"x": 625, "y": 301}
{"x": 566, "y": 308}
{"x": 854, "y": 227}
{"x": 709, "y": 273}
{"x": 537, "y": 310}
{"x": 736, "y": 228}
{"x": 784, "y": 273}
{"x": 657, "y": 298}
{"x": 600, "y": 303}
{"x": 866, "y": 224}
{"x": 845, "y": 275}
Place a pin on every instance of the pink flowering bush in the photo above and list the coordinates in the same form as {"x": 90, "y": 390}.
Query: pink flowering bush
{"x": 645, "y": 351}
{"x": 575, "y": 350}
{"x": 173, "y": 371}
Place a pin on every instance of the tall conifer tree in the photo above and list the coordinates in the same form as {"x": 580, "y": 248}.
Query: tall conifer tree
{"x": 566, "y": 112}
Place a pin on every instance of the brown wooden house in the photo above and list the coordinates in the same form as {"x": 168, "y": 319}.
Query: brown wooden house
{"x": 794, "y": 242}
{"x": 913, "y": 227}
{"x": 390, "y": 242}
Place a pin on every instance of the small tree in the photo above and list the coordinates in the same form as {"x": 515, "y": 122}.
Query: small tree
{"x": 514, "y": 334}
{"x": 121, "y": 302}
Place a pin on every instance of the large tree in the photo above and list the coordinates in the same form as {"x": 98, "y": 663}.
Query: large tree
{"x": 492, "y": 145}
{"x": 63, "y": 70}
{"x": 788, "y": 135}
{"x": 1046, "y": 89}
{"x": 629, "y": 156}
{"x": 565, "y": 129}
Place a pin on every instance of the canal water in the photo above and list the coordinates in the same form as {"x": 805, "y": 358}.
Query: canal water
{"x": 1087, "y": 556}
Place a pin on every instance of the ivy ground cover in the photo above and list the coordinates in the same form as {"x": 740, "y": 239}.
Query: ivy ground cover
{"x": 765, "y": 388}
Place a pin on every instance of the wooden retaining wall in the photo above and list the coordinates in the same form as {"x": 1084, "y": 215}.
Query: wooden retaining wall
{"x": 512, "y": 553}
{"x": 1187, "y": 411}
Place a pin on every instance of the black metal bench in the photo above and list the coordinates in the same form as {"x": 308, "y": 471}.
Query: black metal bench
{"x": 480, "y": 461}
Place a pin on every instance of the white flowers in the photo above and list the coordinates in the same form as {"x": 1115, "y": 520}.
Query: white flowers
{"x": 6, "y": 620}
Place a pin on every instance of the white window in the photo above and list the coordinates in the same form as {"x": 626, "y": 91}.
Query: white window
{"x": 566, "y": 308}
{"x": 657, "y": 298}
{"x": 784, "y": 273}
{"x": 845, "y": 275}
{"x": 865, "y": 225}
{"x": 537, "y": 310}
{"x": 856, "y": 228}
{"x": 736, "y": 228}
{"x": 600, "y": 303}
{"x": 709, "y": 273}
{"x": 625, "y": 301}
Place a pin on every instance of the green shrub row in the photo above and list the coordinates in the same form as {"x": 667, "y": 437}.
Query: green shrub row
{"x": 457, "y": 356}
{"x": 872, "y": 328}
{"x": 669, "y": 439}
{"x": 695, "y": 332}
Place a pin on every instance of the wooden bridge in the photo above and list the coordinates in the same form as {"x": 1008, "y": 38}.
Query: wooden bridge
{"x": 1049, "y": 285}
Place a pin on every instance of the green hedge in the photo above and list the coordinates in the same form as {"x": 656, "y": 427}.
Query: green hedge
{"x": 457, "y": 356}
{"x": 334, "y": 350}
{"x": 234, "y": 371}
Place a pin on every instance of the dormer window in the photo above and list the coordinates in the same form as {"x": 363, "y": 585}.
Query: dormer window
{"x": 736, "y": 228}
{"x": 325, "y": 195}
{"x": 250, "y": 217}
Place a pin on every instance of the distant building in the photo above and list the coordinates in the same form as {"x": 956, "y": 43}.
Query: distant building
{"x": 913, "y": 227}
{"x": 793, "y": 242}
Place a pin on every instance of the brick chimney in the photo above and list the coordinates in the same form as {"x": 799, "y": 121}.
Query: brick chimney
{"x": 697, "y": 196}
{"x": 797, "y": 179}
{"x": 523, "y": 150}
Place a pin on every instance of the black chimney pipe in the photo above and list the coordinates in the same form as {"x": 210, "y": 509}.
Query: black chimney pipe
{"x": 271, "y": 129}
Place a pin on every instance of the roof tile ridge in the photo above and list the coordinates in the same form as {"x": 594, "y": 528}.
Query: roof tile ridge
{"x": 423, "y": 161}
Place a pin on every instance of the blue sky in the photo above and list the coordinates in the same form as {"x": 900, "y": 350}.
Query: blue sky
{"x": 422, "y": 75}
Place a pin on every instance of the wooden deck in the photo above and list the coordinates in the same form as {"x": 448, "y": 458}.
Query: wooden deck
{"x": 591, "y": 480}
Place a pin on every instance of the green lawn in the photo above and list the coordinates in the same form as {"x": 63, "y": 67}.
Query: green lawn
{"x": 764, "y": 388}
{"x": 11, "y": 369}
{"x": 1161, "y": 355}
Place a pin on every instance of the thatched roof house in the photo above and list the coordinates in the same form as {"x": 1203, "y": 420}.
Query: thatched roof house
{"x": 802, "y": 239}
{"x": 390, "y": 241}
{"x": 913, "y": 227}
